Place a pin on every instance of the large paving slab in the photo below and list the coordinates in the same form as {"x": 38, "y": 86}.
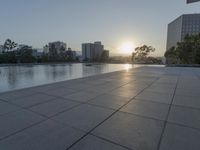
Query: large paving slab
{"x": 54, "y": 107}
{"x": 82, "y": 96}
{"x": 180, "y": 138}
{"x": 187, "y": 101}
{"x": 109, "y": 101}
{"x": 29, "y": 101}
{"x": 59, "y": 91}
{"x": 84, "y": 117}
{"x": 165, "y": 89}
{"x": 47, "y": 135}
{"x": 134, "y": 86}
{"x": 131, "y": 131}
{"x": 7, "y": 96}
{"x": 93, "y": 143}
{"x": 7, "y": 108}
{"x": 124, "y": 92}
{"x": 191, "y": 92}
{"x": 17, "y": 121}
{"x": 165, "y": 98}
{"x": 185, "y": 116}
{"x": 147, "y": 109}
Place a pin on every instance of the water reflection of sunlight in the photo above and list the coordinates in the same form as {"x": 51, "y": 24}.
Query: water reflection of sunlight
{"x": 127, "y": 67}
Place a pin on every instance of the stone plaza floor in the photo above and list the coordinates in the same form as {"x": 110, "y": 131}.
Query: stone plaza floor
{"x": 146, "y": 108}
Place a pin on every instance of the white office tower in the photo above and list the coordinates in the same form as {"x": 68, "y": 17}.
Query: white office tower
{"x": 92, "y": 51}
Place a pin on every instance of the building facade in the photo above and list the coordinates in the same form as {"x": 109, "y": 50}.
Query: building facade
{"x": 92, "y": 51}
{"x": 105, "y": 55}
{"x": 98, "y": 49}
{"x": 71, "y": 54}
{"x": 188, "y": 24}
{"x": 57, "y": 47}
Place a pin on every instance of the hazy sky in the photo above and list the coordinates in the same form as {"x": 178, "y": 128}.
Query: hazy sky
{"x": 37, "y": 22}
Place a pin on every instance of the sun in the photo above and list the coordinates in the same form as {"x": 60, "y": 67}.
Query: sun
{"x": 127, "y": 48}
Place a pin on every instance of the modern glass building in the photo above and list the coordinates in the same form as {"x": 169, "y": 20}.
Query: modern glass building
{"x": 180, "y": 27}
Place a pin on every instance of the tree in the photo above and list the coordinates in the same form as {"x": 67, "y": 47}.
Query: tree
{"x": 142, "y": 52}
{"x": 186, "y": 49}
{"x": 197, "y": 49}
{"x": 25, "y": 55}
{"x": 62, "y": 55}
{"x": 9, "y": 57}
{"x": 186, "y": 52}
{"x": 53, "y": 54}
{"x": 69, "y": 54}
{"x": 172, "y": 56}
{"x": 133, "y": 57}
{"x": 9, "y": 45}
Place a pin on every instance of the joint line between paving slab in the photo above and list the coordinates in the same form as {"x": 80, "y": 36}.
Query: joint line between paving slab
{"x": 86, "y": 91}
{"x": 86, "y": 102}
{"x": 165, "y": 122}
{"x": 46, "y": 117}
{"x": 109, "y": 116}
{"x": 5, "y": 137}
{"x": 110, "y": 141}
{"x": 28, "y": 109}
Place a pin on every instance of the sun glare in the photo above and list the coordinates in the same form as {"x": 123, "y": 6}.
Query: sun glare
{"x": 127, "y": 67}
{"x": 127, "y": 48}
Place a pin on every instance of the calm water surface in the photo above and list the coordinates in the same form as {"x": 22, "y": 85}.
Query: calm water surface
{"x": 17, "y": 77}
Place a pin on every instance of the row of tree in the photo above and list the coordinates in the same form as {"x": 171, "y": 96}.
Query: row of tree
{"x": 22, "y": 55}
{"x": 186, "y": 52}
{"x": 13, "y": 54}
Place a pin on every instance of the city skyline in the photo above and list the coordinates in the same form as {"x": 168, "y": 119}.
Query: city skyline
{"x": 74, "y": 22}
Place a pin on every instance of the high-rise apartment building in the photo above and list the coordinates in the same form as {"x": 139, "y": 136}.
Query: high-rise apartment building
{"x": 91, "y": 51}
{"x": 188, "y": 24}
